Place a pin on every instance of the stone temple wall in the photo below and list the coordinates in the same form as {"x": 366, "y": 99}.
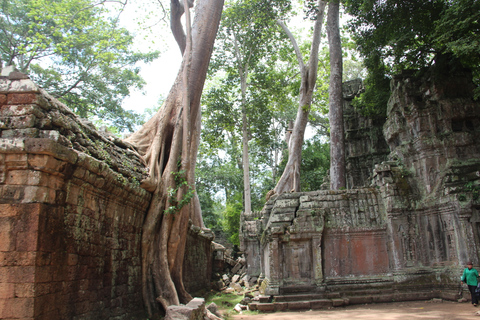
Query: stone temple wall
{"x": 407, "y": 232}
{"x": 198, "y": 262}
{"x": 365, "y": 144}
{"x": 71, "y": 214}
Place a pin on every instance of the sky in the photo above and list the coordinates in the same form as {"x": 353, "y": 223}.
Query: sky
{"x": 160, "y": 74}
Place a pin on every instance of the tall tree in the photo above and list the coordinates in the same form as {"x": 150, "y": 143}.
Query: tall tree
{"x": 290, "y": 179}
{"x": 76, "y": 50}
{"x": 246, "y": 38}
{"x": 169, "y": 144}
{"x": 337, "y": 137}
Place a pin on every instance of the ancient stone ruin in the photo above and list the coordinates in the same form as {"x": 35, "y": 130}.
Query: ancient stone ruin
{"x": 71, "y": 211}
{"x": 71, "y": 214}
{"x": 409, "y": 220}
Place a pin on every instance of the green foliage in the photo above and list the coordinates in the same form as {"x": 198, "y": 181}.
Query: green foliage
{"x": 211, "y": 209}
{"x": 251, "y": 24}
{"x": 458, "y": 32}
{"x": 76, "y": 51}
{"x": 393, "y": 36}
{"x": 175, "y": 203}
{"x": 474, "y": 189}
{"x": 315, "y": 164}
{"x": 225, "y": 303}
{"x": 231, "y": 218}
{"x": 373, "y": 102}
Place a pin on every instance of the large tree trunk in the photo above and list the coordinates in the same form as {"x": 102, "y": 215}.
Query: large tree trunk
{"x": 337, "y": 140}
{"x": 290, "y": 179}
{"x": 169, "y": 144}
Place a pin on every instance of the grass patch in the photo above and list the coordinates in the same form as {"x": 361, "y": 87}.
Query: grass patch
{"x": 225, "y": 303}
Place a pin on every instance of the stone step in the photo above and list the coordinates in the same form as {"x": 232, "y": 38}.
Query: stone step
{"x": 306, "y": 296}
{"x": 298, "y": 305}
{"x": 322, "y": 301}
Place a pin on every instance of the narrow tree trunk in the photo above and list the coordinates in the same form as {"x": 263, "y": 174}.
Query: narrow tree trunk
{"x": 246, "y": 161}
{"x": 337, "y": 140}
{"x": 173, "y": 135}
{"x": 290, "y": 179}
{"x": 243, "y": 69}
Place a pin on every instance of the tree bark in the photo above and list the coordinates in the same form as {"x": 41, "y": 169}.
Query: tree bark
{"x": 169, "y": 144}
{"x": 337, "y": 140}
{"x": 243, "y": 69}
{"x": 290, "y": 179}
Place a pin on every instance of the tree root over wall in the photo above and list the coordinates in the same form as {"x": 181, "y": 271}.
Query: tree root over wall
{"x": 169, "y": 144}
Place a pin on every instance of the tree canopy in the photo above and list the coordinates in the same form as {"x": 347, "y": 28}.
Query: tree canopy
{"x": 393, "y": 36}
{"x": 77, "y": 51}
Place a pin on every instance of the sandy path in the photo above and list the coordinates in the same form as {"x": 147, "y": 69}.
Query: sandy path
{"x": 391, "y": 311}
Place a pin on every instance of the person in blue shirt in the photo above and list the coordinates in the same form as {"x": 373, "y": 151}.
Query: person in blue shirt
{"x": 470, "y": 277}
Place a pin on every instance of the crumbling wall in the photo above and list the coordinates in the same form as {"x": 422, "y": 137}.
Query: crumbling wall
{"x": 198, "y": 262}
{"x": 71, "y": 212}
{"x": 403, "y": 233}
{"x": 432, "y": 130}
{"x": 313, "y": 238}
{"x": 433, "y": 182}
{"x": 365, "y": 145}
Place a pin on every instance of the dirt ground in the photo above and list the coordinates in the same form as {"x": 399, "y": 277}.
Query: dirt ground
{"x": 383, "y": 311}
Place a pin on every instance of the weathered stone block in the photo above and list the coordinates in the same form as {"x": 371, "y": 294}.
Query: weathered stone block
{"x": 194, "y": 310}
{"x": 46, "y": 146}
{"x": 20, "y": 122}
{"x": 20, "y": 133}
{"x": 15, "y": 258}
{"x": 9, "y": 145}
{"x": 17, "y": 308}
{"x": 385, "y": 297}
{"x": 338, "y": 302}
{"x": 281, "y": 306}
{"x": 321, "y": 303}
{"x": 45, "y": 162}
{"x": 7, "y": 290}
{"x": 17, "y": 274}
{"x": 282, "y": 217}
{"x": 21, "y": 110}
{"x": 266, "y": 307}
{"x": 25, "y": 290}
{"x": 38, "y": 194}
{"x": 21, "y": 98}
{"x": 287, "y": 203}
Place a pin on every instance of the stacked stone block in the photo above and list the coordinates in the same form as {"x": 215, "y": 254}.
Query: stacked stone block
{"x": 198, "y": 261}
{"x": 312, "y": 237}
{"x": 70, "y": 220}
{"x": 365, "y": 145}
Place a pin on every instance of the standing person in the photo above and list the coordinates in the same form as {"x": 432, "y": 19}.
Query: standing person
{"x": 470, "y": 276}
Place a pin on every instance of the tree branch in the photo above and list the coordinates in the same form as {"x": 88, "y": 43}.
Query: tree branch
{"x": 301, "y": 64}
{"x": 176, "y": 12}
{"x": 73, "y": 86}
{"x": 317, "y": 33}
{"x": 162, "y": 18}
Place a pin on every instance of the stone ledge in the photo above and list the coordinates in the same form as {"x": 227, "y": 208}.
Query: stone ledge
{"x": 40, "y": 146}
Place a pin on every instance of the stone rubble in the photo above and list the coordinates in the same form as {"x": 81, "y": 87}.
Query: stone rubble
{"x": 232, "y": 278}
